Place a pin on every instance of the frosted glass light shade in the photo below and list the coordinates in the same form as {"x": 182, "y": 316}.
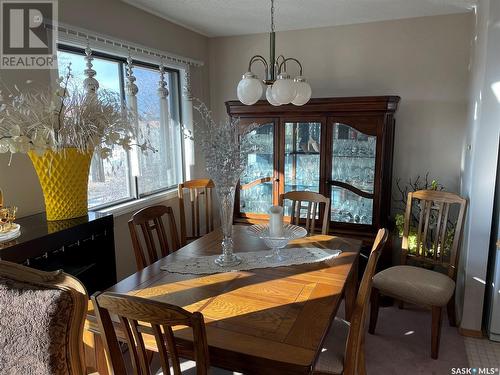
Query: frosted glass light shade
{"x": 270, "y": 97}
{"x": 249, "y": 89}
{"x": 284, "y": 89}
{"x": 304, "y": 91}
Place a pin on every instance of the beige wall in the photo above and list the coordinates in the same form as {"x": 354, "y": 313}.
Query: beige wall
{"x": 18, "y": 181}
{"x": 119, "y": 20}
{"x": 423, "y": 60}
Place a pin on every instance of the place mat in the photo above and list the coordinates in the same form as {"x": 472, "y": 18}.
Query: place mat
{"x": 251, "y": 260}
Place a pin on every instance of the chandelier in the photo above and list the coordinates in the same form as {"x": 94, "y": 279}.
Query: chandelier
{"x": 281, "y": 88}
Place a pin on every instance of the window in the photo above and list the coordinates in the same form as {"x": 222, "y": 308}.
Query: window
{"x": 128, "y": 175}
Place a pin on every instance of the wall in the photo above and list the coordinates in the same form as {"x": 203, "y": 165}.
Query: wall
{"x": 18, "y": 180}
{"x": 423, "y": 60}
{"x": 119, "y": 20}
{"x": 479, "y": 161}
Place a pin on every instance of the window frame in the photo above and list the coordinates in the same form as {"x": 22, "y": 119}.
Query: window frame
{"x": 133, "y": 180}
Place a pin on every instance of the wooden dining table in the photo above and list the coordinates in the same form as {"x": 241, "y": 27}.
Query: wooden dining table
{"x": 261, "y": 321}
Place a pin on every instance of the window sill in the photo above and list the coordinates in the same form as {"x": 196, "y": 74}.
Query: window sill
{"x": 135, "y": 205}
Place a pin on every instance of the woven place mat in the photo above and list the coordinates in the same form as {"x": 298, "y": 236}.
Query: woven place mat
{"x": 251, "y": 260}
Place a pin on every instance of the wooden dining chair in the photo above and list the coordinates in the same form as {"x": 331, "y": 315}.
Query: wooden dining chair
{"x": 139, "y": 315}
{"x": 150, "y": 220}
{"x": 41, "y": 328}
{"x": 343, "y": 349}
{"x": 312, "y": 201}
{"x": 435, "y": 245}
{"x": 198, "y": 190}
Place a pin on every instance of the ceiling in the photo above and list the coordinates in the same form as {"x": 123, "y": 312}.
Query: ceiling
{"x": 237, "y": 17}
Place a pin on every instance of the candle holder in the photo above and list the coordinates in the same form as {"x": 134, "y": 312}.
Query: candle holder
{"x": 276, "y": 243}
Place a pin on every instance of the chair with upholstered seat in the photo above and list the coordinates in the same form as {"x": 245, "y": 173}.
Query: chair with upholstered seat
{"x": 199, "y": 191}
{"x": 151, "y": 219}
{"x": 343, "y": 348}
{"x": 433, "y": 242}
{"x": 41, "y": 324}
{"x": 158, "y": 319}
{"x": 312, "y": 209}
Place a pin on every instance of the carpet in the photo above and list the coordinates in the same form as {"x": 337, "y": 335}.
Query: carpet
{"x": 402, "y": 344}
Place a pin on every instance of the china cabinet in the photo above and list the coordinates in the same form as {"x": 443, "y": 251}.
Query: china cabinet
{"x": 339, "y": 147}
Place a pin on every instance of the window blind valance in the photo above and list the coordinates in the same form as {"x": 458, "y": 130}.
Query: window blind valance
{"x": 79, "y": 37}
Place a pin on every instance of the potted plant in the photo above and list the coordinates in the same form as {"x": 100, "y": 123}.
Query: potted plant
{"x": 61, "y": 130}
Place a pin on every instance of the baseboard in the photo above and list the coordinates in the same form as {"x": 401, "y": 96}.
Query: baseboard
{"x": 470, "y": 333}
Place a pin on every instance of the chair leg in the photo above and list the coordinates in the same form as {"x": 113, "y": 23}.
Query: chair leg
{"x": 450, "y": 309}
{"x": 149, "y": 356}
{"x": 374, "y": 299}
{"x": 436, "y": 331}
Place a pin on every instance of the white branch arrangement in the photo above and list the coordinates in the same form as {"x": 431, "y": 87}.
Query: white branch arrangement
{"x": 225, "y": 144}
{"x": 68, "y": 117}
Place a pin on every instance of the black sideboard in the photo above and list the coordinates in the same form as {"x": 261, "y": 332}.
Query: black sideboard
{"x": 83, "y": 247}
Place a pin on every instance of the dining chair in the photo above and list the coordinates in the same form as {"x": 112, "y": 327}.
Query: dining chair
{"x": 41, "y": 328}
{"x": 157, "y": 319}
{"x": 433, "y": 243}
{"x": 313, "y": 201}
{"x": 150, "y": 220}
{"x": 343, "y": 347}
{"x": 198, "y": 190}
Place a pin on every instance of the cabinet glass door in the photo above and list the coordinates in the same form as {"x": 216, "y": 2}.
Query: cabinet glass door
{"x": 256, "y": 183}
{"x": 302, "y": 156}
{"x": 353, "y": 175}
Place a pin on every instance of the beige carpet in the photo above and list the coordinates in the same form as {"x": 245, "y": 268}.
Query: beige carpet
{"x": 401, "y": 344}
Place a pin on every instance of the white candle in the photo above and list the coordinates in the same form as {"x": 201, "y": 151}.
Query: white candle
{"x": 276, "y": 221}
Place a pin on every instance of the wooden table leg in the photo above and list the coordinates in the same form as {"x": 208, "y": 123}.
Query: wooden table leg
{"x": 351, "y": 290}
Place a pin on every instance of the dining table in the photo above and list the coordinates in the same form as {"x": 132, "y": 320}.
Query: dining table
{"x": 260, "y": 321}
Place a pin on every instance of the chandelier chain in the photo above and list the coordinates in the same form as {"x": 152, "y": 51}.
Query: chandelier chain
{"x": 272, "y": 16}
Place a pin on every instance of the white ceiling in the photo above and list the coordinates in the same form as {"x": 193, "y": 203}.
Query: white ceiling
{"x": 237, "y": 17}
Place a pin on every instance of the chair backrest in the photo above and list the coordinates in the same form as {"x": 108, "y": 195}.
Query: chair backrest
{"x": 435, "y": 239}
{"x": 150, "y": 220}
{"x": 313, "y": 201}
{"x": 138, "y": 315}
{"x": 53, "y": 306}
{"x": 199, "y": 190}
{"x": 357, "y": 330}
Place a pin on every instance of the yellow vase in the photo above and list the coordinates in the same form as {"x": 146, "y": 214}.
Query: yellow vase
{"x": 64, "y": 177}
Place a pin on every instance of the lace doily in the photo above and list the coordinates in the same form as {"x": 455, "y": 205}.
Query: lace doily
{"x": 252, "y": 260}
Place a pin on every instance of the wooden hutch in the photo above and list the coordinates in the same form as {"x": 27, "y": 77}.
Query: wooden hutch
{"x": 339, "y": 147}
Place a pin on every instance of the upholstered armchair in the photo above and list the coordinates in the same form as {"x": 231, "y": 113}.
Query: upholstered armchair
{"x": 41, "y": 321}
